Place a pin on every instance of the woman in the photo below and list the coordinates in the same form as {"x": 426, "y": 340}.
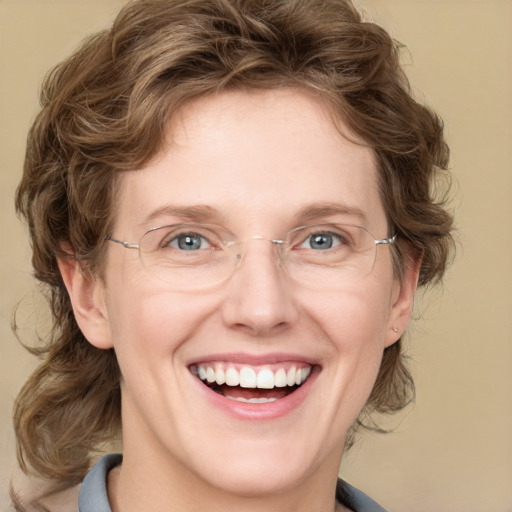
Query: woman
{"x": 230, "y": 203}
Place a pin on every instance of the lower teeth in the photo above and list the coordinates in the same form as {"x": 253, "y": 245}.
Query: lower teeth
{"x": 252, "y": 400}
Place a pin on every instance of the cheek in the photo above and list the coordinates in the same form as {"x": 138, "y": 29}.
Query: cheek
{"x": 354, "y": 324}
{"x": 353, "y": 319}
{"x": 358, "y": 335}
{"x": 353, "y": 332}
{"x": 148, "y": 324}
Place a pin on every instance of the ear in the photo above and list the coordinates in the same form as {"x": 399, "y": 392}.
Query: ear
{"x": 402, "y": 301}
{"x": 87, "y": 294}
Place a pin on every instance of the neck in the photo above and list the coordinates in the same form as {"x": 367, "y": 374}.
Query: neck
{"x": 132, "y": 487}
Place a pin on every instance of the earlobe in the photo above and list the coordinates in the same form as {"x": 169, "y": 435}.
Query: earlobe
{"x": 87, "y": 295}
{"x": 402, "y": 302}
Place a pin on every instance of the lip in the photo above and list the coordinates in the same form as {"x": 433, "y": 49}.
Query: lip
{"x": 257, "y": 412}
{"x": 255, "y": 359}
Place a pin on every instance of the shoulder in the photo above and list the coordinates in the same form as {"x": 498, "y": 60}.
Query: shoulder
{"x": 355, "y": 499}
{"x": 93, "y": 492}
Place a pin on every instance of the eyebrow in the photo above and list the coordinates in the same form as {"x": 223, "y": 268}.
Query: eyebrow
{"x": 321, "y": 210}
{"x": 205, "y": 213}
{"x": 196, "y": 213}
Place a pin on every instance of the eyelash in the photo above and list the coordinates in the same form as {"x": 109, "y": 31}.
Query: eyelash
{"x": 337, "y": 238}
{"x": 174, "y": 240}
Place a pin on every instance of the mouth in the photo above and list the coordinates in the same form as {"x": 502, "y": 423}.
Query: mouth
{"x": 252, "y": 384}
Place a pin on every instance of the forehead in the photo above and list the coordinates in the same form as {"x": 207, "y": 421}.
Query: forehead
{"x": 252, "y": 158}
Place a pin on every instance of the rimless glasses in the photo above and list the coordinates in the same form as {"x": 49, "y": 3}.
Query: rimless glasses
{"x": 193, "y": 256}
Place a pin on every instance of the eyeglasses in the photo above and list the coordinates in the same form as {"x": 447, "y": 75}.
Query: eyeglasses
{"x": 193, "y": 256}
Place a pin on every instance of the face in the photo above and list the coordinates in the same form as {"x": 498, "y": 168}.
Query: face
{"x": 253, "y": 163}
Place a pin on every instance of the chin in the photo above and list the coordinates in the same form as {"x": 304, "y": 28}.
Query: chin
{"x": 256, "y": 479}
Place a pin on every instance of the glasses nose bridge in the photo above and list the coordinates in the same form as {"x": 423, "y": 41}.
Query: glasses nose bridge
{"x": 240, "y": 248}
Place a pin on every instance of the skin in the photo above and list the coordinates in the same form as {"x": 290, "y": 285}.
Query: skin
{"x": 257, "y": 159}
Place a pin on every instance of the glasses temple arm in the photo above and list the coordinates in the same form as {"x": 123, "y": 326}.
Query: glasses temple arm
{"x": 126, "y": 245}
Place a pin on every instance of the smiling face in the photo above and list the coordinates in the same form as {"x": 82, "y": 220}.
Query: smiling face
{"x": 258, "y": 165}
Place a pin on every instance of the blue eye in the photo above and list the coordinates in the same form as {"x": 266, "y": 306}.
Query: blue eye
{"x": 189, "y": 242}
{"x": 321, "y": 241}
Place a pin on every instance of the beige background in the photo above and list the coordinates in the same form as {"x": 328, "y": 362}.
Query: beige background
{"x": 451, "y": 452}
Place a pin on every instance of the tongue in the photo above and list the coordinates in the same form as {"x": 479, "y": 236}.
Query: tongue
{"x": 238, "y": 392}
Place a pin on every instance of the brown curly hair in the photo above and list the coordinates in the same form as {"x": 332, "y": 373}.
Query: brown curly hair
{"x": 105, "y": 110}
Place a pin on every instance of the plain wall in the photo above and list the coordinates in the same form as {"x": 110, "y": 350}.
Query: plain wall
{"x": 451, "y": 451}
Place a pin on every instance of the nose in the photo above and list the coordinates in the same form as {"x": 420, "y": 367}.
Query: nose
{"x": 259, "y": 299}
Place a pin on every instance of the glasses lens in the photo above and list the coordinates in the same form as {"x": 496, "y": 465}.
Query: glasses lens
{"x": 327, "y": 255}
{"x": 188, "y": 256}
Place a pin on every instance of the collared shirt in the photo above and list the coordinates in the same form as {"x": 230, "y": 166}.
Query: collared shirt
{"x": 93, "y": 493}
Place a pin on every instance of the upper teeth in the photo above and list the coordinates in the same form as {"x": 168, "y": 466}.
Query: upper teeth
{"x": 247, "y": 377}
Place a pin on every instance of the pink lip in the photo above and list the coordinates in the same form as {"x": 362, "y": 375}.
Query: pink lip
{"x": 258, "y": 412}
{"x": 254, "y": 359}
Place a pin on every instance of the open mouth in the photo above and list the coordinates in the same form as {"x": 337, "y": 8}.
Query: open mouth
{"x": 249, "y": 384}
